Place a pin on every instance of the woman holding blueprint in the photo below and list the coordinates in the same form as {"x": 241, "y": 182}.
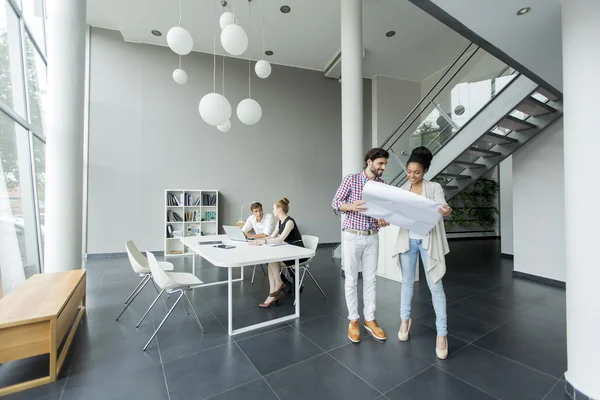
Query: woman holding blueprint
{"x": 433, "y": 247}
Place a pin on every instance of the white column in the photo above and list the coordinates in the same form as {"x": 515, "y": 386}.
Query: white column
{"x": 352, "y": 87}
{"x": 581, "y": 57}
{"x": 64, "y": 147}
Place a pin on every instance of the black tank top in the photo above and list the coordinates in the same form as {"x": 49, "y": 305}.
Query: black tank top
{"x": 294, "y": 237}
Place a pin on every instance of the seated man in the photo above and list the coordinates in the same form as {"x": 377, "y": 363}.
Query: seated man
{"x": 261, "y": 224}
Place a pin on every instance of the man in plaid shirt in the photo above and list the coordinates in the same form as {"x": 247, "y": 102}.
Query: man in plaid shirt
{"x": 361, "y": 242}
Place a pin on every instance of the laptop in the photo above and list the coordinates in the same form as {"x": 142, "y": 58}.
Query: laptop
{"x": 235, "y": 233}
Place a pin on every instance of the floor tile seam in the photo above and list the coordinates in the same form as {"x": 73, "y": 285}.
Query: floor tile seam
{"x": 290, "y": 366}
{"x": 233, "y": 388}
{"x": 467, "y": 382}
{"x": 490, "y": 332}
{"x": 197, "y": 353}
{"x": 515, "y": 361}
{"x": 553, "y": 387}
{"x": 250, "y": 361}
{"x": 408, "y": 379}
{"x": 473, "y": 295}
{"x": 307, "y": 338}
{"x": 355, "y": 374}
{"x": 480, "y": 320}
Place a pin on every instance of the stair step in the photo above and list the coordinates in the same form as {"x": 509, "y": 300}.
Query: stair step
{"x": 495, "y": 138}
{"x": 468, "y": 165}
{"x": 515, "y": 124}
{"x": 547, "y": 94}
{"x": 450, "y": 187}
{"x": 534, "y": 107}
{"x": 482, "y": 152}
{"x": 452, "y": 176}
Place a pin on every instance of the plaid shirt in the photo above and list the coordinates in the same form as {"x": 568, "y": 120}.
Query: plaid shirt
{"x": 350, "y": 191}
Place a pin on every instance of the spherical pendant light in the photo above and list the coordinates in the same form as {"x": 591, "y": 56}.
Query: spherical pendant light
{"x": 249, "y": 111}
{"x": 227, "y": 18}
{"x": 225, "y": 127}
{"x": 262, "y": 69}
{"x": 215, "y": 109}
{"x": 180, "y": 40}
{"x": 180, "y": 76}
{"x": 234, "y": 39}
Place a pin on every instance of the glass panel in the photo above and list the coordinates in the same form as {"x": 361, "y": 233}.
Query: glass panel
{"x": 33, "y": 12}
{"x": 18, "y": 237}
{"x": 11, "y": 66}
{"x": 467, "y": 86}
{"x": 39, "y": 163}
{"x": 36, "y": 86}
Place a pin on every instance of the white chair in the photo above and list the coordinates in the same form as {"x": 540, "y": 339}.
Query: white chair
{"x": 140, "y": 266}
{"x": 171, "y": 282}
{"x": 310, "y": 242}
{"x": 262, "y": 266}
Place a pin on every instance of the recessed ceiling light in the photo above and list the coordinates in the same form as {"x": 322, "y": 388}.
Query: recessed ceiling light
{"x": 523, "y": 10}
{"x": 269, "y": 52}
{"x": 156, "y": 33}
{"x": 285, "y": 9}
{"x": 390, "y": 33}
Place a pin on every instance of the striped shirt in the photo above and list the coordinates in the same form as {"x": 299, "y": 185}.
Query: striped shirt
{"x": 350, "y": 191}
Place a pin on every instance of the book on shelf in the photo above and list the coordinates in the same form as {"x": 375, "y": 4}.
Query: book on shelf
{"x": 172, "y": 216}
{"x": 169, "y": 231}
{"x": 177, "y": 234}
{"x": 172, "y": 200}
{"x": 209, "y": 199}
{"x": 176, "y": 252}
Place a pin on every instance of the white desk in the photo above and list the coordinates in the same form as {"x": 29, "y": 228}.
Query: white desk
{"x": 245, "y": 255}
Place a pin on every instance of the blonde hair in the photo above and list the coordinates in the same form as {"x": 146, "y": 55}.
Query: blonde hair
{"x": 284, "y": 204}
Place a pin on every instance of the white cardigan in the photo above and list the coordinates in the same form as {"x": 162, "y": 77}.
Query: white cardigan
{"x": 435, "y": 242}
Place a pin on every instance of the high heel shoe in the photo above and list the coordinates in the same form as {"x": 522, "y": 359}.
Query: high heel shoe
{"x": 403, "y": 336}
{"x": 278, "y": 291}
{"x": 441, "y": 354}
{"x": 267, "y": 304}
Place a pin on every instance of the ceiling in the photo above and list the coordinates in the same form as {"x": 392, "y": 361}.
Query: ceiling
{"x": 534, "y": 40}
{"x": 308, "y": 37}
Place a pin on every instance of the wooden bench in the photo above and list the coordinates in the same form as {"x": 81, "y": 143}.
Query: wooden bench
{"x": 36, "y": 317}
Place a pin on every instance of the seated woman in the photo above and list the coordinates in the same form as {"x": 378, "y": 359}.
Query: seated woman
{"x": 287, "y": 231}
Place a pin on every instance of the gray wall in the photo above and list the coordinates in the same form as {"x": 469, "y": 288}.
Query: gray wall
{"x": 146, "y": 136}
{"x": 506, "y": 206}
{"x": 539, "y": 205}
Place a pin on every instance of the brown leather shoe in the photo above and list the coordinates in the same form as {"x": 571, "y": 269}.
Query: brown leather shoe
{"x": 354, "y": 332}
{"x": 375, "y": 330}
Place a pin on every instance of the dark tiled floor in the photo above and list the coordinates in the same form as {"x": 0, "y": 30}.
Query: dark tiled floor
{"x": 507, "y": 340}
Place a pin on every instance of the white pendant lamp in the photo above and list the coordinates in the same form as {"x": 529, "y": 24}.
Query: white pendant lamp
{"x": 180, "y": 40}
{"x": 225, "y": 127}
{"x": 234, "y": 39}
{"x": 263, "y": 67}
{"x": 249, "y": 112}
{"x": 180, "y": 76}
{"x": 214, "y": 108}
{"x": 227, "y": 18}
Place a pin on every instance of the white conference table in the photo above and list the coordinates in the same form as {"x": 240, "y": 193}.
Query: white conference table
{"x": 245, "y": 255}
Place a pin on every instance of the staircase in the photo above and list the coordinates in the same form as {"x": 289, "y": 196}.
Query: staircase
{"x": 463, "y": 154}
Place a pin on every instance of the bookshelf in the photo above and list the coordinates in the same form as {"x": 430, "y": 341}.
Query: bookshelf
{"x": 189, "y": 213}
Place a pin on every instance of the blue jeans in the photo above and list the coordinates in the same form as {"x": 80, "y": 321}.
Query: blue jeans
{"x": 408, "y": 264}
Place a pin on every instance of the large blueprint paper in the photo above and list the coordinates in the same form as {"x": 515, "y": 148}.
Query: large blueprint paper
{"x": 401, "y": 207}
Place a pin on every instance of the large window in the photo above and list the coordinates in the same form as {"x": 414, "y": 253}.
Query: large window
{"x": 22, "y": 143}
